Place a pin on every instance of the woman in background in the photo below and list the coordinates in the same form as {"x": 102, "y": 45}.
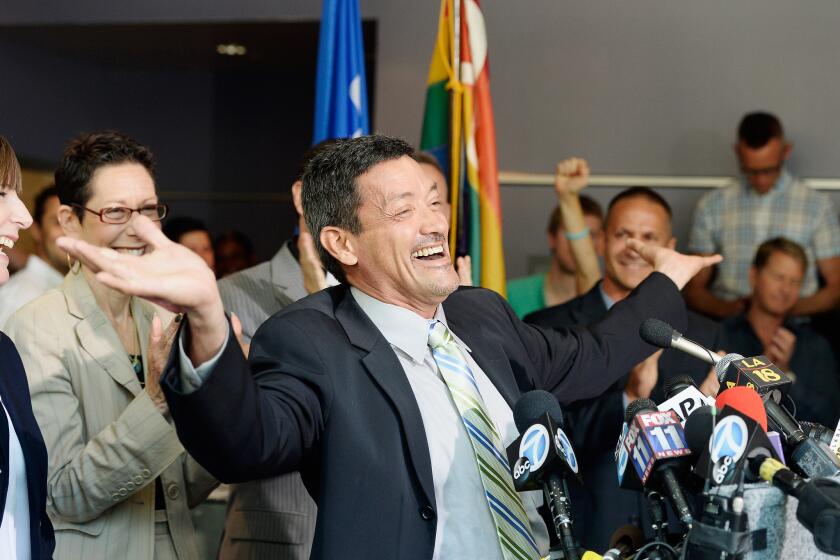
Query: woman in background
{"x": 25, "y": 529}
{"x": 120, "y": 484}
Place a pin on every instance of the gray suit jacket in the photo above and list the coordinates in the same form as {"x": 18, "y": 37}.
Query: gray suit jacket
{"x": 274, "y": 517}
{"x": 107, "y": 441}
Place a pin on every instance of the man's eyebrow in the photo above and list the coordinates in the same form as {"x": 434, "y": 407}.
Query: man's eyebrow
{"x": 399, "y": 196}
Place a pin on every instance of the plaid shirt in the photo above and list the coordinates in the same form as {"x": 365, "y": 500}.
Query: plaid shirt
{"x": 734, "y": 220}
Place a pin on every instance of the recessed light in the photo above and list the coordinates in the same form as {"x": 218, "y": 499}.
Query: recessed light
{"x": 231, "y": 49}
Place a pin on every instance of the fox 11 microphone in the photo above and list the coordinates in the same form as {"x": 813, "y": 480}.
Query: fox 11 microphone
{"x": 657, "y": 450}
{"x": 543, "y": 458}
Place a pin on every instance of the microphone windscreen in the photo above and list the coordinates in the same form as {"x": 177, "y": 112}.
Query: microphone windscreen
{"x": 637, "y": 406}
{"x": 746, "y": 401}
{"x": 677, "y": 383}
{"x": 698, "y": 430}
{"x": 723, "y": 365}
{"x": 656, "y": 332}
{"x": 532, "y": 406}
{"x": 628, "y": 537}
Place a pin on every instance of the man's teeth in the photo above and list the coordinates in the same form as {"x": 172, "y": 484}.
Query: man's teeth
{"x": 428, "y": 251}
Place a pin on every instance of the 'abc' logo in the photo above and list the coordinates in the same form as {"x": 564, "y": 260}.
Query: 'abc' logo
{"x": 729, "y": 439}
{"x": 534, "y": 445}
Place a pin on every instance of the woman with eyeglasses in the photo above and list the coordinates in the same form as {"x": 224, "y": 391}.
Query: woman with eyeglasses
{"x": 120, "y": 484}
{"x": 25, "y": 529}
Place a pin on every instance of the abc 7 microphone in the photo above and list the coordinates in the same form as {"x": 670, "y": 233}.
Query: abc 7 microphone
{"x": 543, "y": 458}
{"x": 811, "y": 457}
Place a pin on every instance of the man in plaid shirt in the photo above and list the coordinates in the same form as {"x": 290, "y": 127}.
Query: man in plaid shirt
{"x": 766, "y": 202}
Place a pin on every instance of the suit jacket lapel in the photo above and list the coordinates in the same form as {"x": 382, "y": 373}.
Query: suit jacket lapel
{"x": 96, "y": 334}
{"x": 384, "y": 367}
{"x": 286, "y": 276}
{"x": 490, "y": 357}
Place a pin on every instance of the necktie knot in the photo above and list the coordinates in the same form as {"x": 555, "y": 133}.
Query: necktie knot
{"x": 439, "y": 335}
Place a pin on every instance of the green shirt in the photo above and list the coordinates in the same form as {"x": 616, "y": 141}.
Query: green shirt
{"x": 525, "y": 294}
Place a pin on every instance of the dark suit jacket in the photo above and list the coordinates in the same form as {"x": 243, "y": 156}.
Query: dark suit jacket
{"x": 14, "y": 390}
{"x": 325, "y": 394}
{"x": 595, "y": 424}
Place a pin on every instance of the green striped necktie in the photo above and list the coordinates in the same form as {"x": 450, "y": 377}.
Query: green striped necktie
{"x": 512, "y": 526}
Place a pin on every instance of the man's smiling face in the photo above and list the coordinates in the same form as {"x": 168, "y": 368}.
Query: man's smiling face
{"x": 402, "y": 250}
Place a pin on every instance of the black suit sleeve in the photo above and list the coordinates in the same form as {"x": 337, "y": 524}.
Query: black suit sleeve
{"x": 244, "y": 409}
{"x": 582, "y": 362}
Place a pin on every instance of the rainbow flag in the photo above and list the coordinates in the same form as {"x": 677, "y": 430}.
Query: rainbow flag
{"x": 458, "y": 129}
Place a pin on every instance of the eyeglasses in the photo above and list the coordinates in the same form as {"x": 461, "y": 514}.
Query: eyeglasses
{"x": 775, "y": 170}
{"x": 121, "y": 214}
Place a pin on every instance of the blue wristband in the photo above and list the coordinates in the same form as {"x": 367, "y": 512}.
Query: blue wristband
{"x": 577, "y": 235}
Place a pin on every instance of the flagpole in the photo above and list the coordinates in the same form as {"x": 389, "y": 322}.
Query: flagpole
{"x": 455, "y": 134}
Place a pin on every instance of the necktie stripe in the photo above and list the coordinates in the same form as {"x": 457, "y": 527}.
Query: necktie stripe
{"x": 459, "y": 370}
{"x": 510, "y": 517}
{"x": 494, "y": 476}
{"x": 488, "y": 445}
{"x": 456, "y": 362}
{"x": 513, "y": 547}
{"x": 473, "y": 407}
{"x": 512, "y": 526}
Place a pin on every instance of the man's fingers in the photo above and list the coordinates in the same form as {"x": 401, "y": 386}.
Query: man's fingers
{"x": 645, "y": 251}
{"x": 711, "y": 260}
{"x": 148, "y": 231}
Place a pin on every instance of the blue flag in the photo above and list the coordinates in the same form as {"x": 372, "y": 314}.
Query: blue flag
{"x": 341, "y": 109}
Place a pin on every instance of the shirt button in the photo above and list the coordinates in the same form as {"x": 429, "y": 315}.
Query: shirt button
{"x": 173, "y": 491}
{"x": 138, "y": 480}
{"x": 146, "y": 473}
{"x": 130, "y": 485}
{"x": 123, "y": 492}
{"x": 115, "y": 497}
{"x": 427, "y": 513}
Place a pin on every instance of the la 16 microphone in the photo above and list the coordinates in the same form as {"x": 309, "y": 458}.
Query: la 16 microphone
{"x": 542, "y": 458}
{"x": 812, "y": 457}
{"x": 683, "y": 397}
{"x": 656, "y": 443}
{"x": 819, "y": 501}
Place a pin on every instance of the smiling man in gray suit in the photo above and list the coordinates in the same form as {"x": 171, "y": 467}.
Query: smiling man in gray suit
{"x": 273, "y": 517}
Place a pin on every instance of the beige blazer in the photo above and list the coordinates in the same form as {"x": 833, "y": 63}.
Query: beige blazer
{"x": 105, "y": 438}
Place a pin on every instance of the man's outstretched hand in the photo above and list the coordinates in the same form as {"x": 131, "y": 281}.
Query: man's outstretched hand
{"x": 168, "y": 274}
{"x": 678, "y": 267}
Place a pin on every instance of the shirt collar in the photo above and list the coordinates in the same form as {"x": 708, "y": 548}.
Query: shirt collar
{"x": 608, "y": 301}
{"x": 401, "y": 327}
{"x": 781, "y": 185}
{"x": 39, "y": 266}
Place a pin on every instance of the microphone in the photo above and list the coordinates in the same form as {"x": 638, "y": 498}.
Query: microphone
{"x": 738, "y": 434}
{"x": 662, "y": 335}
{"x": 819, "y": 501}
{"x": 542, "y": 458}
{"x": 683, "y": 397}
{"x": 812, "y": 457}
{"x": 624, "y": 541}
{"x": 746, "y": 401}
{"x": 658, "y": 441}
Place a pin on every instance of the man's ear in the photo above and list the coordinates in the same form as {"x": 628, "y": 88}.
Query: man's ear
{"x": 786, "y": 151}
{"x": 69, "y": 221}
{"x": 297, "y": 187}
{"x": 752, "y": 276}
{"x": 340, "y": 244}
{"x": 672, "y": 243}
